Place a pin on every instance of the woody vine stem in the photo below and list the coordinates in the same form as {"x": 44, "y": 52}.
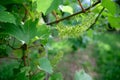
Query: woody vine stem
{"x": 87, "y": 9}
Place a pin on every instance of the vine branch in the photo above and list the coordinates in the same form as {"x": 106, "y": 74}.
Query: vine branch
{"x": 27, "y": 11}
{"x": 83, "y": 10}
{"x": 56, "y": 21}
{"x": 24, "y": 48}
{"x": 97, "y": 17}
{"x": 54, "y": 14}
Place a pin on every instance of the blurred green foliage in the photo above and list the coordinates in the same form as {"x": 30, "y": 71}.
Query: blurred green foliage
{"x": 7, "y": 69}
{"x": 107, "y": 54}
{"x": 36, "y": 46}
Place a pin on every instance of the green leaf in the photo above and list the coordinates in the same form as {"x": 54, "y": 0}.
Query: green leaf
{"x": 6, "y": 70}
{"x": 21, "y": 76}
{"x": 7, "y": 17}
{"x": 53, "y": 6}
{"x": 46, "y": 6}
{"x": 45, "y": 65}
{"x": 81, "y": 75}
{"x": 67, "y": 9}
{"x": 57, "y": 76}
{"x": 2, "y": 8}
{"x": 3, "y": 2}
{"x": 114, "y": 21}
{"x": 30, "y": 30}
{"x": 110, "y": 5}
{"x": 27, "y": 32}
{"x": 12, "y": 30}
{"x": 43, "y": 5}
{"x": 25, "y": 69}
{"x": 24, "y": 33}
{"x": 43, "y": 31}
{"x": 38, "y": 76}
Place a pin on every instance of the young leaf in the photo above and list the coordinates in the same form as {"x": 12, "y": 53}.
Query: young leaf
{"x": 114, "y": 21}
{"x": 12, "y": 30}
{"x": 7, "y": 17}
{"x": 43, "y": 31}
{"x": 53, "y": 6}
{"x": 30, "y": 30}
{"x": 43, "y": 5}
{"x": 45, "y": 65}
{"x": 46, "y": 6}
{"x": 3, "y": 2}
{"x": 67, "y": 9}
{"x": 57, "y": 76}
{"x": 110, "y": 5}
{"x": 24, "y": 33}
{"x": 21, "y": 76}
{"x": 81, "y": 75}
{"x": 38, "y": 76}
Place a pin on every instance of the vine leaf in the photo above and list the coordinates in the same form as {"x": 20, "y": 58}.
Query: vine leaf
{"x": 30, "y": 30}
{"x": 114, "y": 21}
{"x": 3, "y": 2}
{"x": 45, "y": 65}
{"x": 81, "y": 75}
{"x": 7, "y": 17}
{"x": 46, "y": 6}
{"x": 67, "y": 9}
{"x": 12, "y": 30}
{"x": 21, "y": 76}
{"x": 43, "y": 5}
{"x": 53, "y": 6}
{"x": 23, "y": 33}
{"x": 26, "y": 32}
{"x": 43, "y": 31}
{"x": 56, "y": 76}
{"x": 38, "y": 76}
{"x": 110, "y": 5}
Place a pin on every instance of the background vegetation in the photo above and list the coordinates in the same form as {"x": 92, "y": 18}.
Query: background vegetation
{"x": 59, "y": 40}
